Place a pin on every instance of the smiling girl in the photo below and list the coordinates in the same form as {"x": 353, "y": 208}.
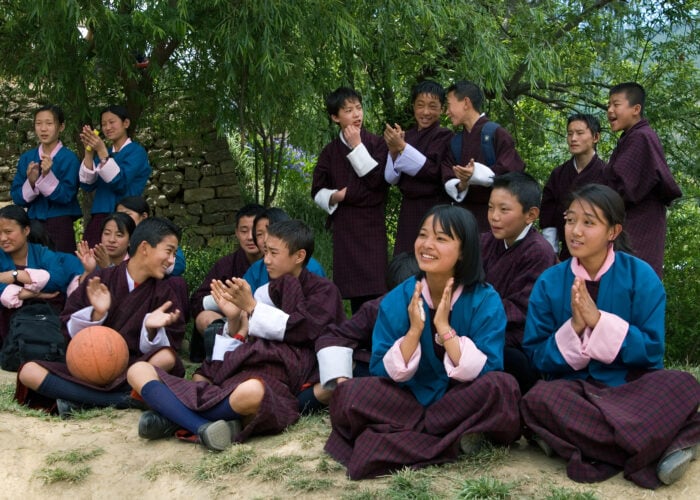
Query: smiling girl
{"x": 437, "y": 356}
{"x": 595, "y": 330}
{"x": 114, "y": 172}
{"x": 46, "y": 182}
{"x": 113, "y": 248}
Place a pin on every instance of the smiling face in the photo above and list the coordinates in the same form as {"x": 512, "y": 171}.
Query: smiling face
{"x": 350, "y": 113}
{"x": 114, "y": 128}
{"x": 115, "y": 241}
{"x": 506, "y": 216}
{"x": 161, "y": 257}
{"x": 437, "y": 252}
{"x": 621, "y": 115}
{"x": 278, "y": 261}
{"x": 13, "y": 237}
{"x": 580, "y": 138}
{"x": 456, "y": 109}
{"x": 588, "y": 234}
{"x": 426, "y": 110}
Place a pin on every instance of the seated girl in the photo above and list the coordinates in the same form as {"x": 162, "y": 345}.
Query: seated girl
{"x": 437, "y": 356}
{"x": 28, "y": 270}
{"x": 595, "y": 330}
{"x": 113, "y": 247}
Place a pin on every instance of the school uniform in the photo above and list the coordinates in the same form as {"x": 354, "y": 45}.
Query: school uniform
{"x": 344, "y": 349}
{"x": 608, "y": 405}
{"x": 477, "y": 196}
{"x": 416, "y": 172}
{"x": 564, "y": 180}
{"x": 413, "y": 414}
{"x": 50, "y": 271}
{"x": 257, "y": 274}
{"x": 54, "y": 198}
{"x": 358, "y": 222}
{"x": 290, "y": 314}
{"x": 638, "y": 171}
{"x": 233, "y": 265}
{"x": 125, "y": 173}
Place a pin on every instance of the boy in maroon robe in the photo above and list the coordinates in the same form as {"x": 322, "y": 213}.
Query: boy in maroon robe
{"x": 348, "y": 183}
{"x": 584, "y": 167}
{"x": 232, "y": 265}
{"x": 131, "y": 298}
{"x": 262, "y": 359}
{"x": 468, "y": 178}
{"x": 414, "y": 160}
{"x": 637, "y": 170}
{"x": 514, "y": 255}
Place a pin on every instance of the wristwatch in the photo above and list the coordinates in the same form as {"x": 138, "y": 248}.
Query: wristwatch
{"x": 15, "y": 277}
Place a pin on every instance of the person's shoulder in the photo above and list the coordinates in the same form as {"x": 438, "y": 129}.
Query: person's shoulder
{"x": 639, "y": 267}
{"x": 67, "y": 154}
{"x": 29, "y": 154}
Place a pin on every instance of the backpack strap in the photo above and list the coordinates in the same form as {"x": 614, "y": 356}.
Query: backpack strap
{"x": 488, "y": 132}
{"x": 456, "y": 146}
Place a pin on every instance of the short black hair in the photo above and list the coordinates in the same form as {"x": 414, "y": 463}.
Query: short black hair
{"x": 152, "y": 230}
{"x": 296, "y": 234}
{"x": 56, "y": 111}
{"x": 336, "y": 99}
{"x": 465, "y": 88}
{"x": 272, "y": 214}
{"x": 461, "y": 224}
{"x": 15, "y": 213}
{"x": 124, "y": 223}
{"x": 428, "y": 87}
{"x": 521, "y": 185}
{"x": 634, "y": 93}
{"x": 136, "y": 203}
{"x": 401, "y": 267}
{"x": 249, "y": 210}
{"x": 591, "y": 121}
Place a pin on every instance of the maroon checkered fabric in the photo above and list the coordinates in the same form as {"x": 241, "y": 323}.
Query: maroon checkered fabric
{"x": 601, "y": 430}
{"x": 425, "y": 189}
{"x": 379, "y": 427}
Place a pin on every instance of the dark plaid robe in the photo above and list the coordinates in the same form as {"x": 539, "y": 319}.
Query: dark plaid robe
{"x": 283, "y": 367}
{"x": 355, "y": 332}
{"x": 507, "y": 160}
{"x": 358, "y": 224}
{"x": 125, "y": 315}
{"x": 380, "y": 427}
{"x": 424, "y": 190}
{"x": 638, "y": 171}
{"x": 555, "y": 196}
{"x": 513, "y": 272}
{"x": 232, "y": 265}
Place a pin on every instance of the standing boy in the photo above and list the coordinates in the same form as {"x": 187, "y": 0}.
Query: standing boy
{"x": 584, "y": 167}
{"x": 131, "y": 298}
{"x": 348, "y": 183}
{"x": 477, "y": 154}
{"x": 232, "y": 265}
{"x": 514, "y": 256}
{"x": 637, "y": 170}
{"x": 414, "y": 160}
{"x": 261, "y": 361}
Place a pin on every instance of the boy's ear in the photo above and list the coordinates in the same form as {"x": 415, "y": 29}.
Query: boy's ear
{"x": 127, "y": 122}
{"x": 532, "y": 214}
{"x": 335, "y": 118}
{"x": 637, "y": 109}
{"x": 300, "y": 256}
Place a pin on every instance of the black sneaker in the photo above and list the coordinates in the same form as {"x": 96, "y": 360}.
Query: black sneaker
{"x": 153, "y": 425}
{"x": 672, "y": 467}
{"x": 66, "y": 408}
{"x": 215, "y": 435}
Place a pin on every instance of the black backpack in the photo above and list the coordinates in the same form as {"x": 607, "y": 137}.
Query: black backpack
{"x": 488, "y": 131}
{"x": 35, "y": 334}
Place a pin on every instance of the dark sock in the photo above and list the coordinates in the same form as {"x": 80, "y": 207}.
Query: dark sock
{"x": 55, "y": 387}
{"x": 222, "y": 411}
{"x": 161, "y": 399}
{"x": 308, "y": 402}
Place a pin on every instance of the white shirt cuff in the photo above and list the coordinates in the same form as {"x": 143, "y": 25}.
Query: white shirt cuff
{"x": 323, "y": 199}
{"x": 334, "y": 362}
{"x": 482, "y": 176}
{"x": 159, "y": 340}
{"x": 453, "y": 192}
{"x": 361, "y": 161}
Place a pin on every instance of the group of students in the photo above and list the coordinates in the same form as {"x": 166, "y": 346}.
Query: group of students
{"x": 478, "y": 334}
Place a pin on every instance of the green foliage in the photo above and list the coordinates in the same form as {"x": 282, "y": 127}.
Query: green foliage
{"x": 485, "y": 488}
{"x": 74, "y": 456}
{"x": 682, "y": 264}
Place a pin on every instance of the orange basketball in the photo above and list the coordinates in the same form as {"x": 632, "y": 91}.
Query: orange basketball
{"x": 97, "y": 354}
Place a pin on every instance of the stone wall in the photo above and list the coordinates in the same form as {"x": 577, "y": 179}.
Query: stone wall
{"x": 194, "y": 181}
